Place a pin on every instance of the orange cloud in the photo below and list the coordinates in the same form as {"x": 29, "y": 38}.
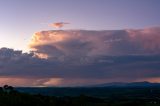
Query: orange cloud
{"x": 53, "y": 82}
{"x": 152, "y": 79}
{"x": 58, "y": 24}
{"x": 19, "y": 81}
{"x": 16, "y": 81}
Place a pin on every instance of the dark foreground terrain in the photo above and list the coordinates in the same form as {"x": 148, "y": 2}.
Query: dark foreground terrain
{"x": 97, "y": 96}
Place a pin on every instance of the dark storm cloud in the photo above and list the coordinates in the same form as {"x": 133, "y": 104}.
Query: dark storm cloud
{"x": 107, "y": 68}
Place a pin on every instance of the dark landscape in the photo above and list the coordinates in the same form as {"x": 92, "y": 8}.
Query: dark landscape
{"x": 115, "y": 94}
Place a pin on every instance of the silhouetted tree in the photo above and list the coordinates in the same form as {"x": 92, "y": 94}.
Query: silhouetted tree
{"x": 8, "y": 88}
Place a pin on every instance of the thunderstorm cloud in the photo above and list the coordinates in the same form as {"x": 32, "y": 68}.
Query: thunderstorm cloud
{"x": 81, "y": 57}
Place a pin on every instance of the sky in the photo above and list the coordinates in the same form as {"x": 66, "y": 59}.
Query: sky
{"x": 86, "y": 37}
{"x": 20, "y": 19}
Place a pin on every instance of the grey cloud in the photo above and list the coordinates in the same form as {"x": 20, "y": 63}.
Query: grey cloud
{"x": 101, "y": 69}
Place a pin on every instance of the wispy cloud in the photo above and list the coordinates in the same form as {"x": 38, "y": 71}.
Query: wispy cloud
{"x": 58, "y": 24}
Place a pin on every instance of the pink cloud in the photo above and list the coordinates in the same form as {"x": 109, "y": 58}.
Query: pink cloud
{"x": 58, "y": 24}
{"x": 93, "y": 43}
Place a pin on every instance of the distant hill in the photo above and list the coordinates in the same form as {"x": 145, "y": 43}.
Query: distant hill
{"x": 132, "y": 84}
{"x": 99, "y": 90}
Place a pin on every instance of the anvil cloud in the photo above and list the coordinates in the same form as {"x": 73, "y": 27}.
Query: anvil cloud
{"x": 81, "y": 57}
{"x": 77, "y": 43}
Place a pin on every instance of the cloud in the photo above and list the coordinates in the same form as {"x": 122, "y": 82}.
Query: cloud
{"x": 81, "y": 57}
{"x": 146, "y": 39}
{"x": 82, "y": 43}
{"x": 25, "y": 82}
{"x": 26, "y": 69}
{"x": 58, "y": 24}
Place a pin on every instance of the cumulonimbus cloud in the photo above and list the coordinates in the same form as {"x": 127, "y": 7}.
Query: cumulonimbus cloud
{"x": 82, "y": 43}
{"x": 71, "y": 57}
